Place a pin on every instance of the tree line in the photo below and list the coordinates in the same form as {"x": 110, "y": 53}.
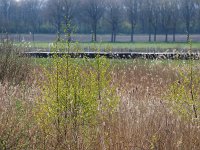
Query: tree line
{"x": 94, "y": 17}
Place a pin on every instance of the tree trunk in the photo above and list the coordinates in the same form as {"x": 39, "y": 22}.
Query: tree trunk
{"x": 113, "y": 31}
{"x": 115, "y": 36}
{"x": 149, "y": 36}
{"x": 174, "y": 33}
{"x": 95, "y": 31}
{"x": 33, "y": 37}
{"x": 155, "y": 34}
{"x": 132, "y": 31}
{"x": 58, "y": 31}
{"x": 112, "y": 36}
{"x": 149, "y": 31}
{"x": 69, "y": 38}
{"x": 19, "y": 37}
{"x": 92, "y": 36}
{"x": 95, "y": 36}
{"x": 188, "y": 30}
{"x": 58, "y": 36}
{"x": 166, "y": 37}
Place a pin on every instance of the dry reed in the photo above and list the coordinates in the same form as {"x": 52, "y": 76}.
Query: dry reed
{"x": 142, "y": 121}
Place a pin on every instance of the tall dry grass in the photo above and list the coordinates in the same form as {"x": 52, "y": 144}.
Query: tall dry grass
{"x": 143, "y": 120}
{"x": 13, "y": 69}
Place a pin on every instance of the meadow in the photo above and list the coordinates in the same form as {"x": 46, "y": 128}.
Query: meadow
{"x": 125, "y": 47}
{"x": 43, "y": 42}
{"x": 64, "y": 103}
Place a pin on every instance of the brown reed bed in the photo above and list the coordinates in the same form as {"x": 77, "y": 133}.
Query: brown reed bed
{"x": 142, "y": 121}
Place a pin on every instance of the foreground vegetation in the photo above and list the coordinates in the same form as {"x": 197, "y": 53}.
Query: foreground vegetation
{"x": 99, "y": 104}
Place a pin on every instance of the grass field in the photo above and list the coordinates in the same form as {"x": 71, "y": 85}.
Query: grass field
{"x": 101, "y": 37}
{"x": 43, "y": 41}
{"x": 139, "y": 46}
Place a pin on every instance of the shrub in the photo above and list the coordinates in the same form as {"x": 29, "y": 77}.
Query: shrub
{"x": 76, "y": 97}
{"x": 13, "y": 68}
{"x": 184, "y": 94}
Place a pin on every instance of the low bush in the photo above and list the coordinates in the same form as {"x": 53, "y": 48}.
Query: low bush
{"x": 13, "y": 68}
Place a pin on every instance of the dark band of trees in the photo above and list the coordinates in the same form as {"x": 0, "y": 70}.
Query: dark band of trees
{"x": 150, "y": 17}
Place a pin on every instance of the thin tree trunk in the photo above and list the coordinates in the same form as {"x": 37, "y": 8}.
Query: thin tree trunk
{"x": 188, "y": 36}
{"x": 58, "y": 36}
{"x": 113, "y": 32}
{"x": 112, "y": 36}
{"x": 95, "y": 32}
{"x": 166, "y": 36}
{"x": 149, "y": 31}
{"x": 58, "y": 32}
{"x": 155, "y": 34}
{"x": 174, "y": 34}
{"x": 188, "y": 30}
{"x": 33, "y": 37}
{"x": 115, "y": 36}
{"x": 95, "y": 36}
{"x": 149, "y": 36}
{"x": 132, "y": 31}
{"x": 19, "y": 37}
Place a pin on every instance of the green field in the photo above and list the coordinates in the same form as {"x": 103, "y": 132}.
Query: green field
{"x": 139, "y": 46}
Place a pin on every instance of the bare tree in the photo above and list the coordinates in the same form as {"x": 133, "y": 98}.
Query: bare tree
{"x": 33, "y": 9}
{"x": 175, "y": 16}
{"x": 94, "y": 10}
{"x": 55, "y": 13}
{"x": 5, "y": 14}
{"x": 166, "y": 17}
{"x": 198, "y": 14}
{"x": 70, "y": 8}
{"x": 113, "y": 15}
{"x": 155, "y": 4}
{"x": 147, "y": 9}
{"x": 131, "y": 7}
{"x": 188, "y": 12}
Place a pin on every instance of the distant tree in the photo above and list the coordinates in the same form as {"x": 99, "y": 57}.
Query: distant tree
{"x": 70, "y": 8}
{"x": 175, "y": 16}
{"x": 131, "y": 7}
{"x": 147, "y": 9}
{"x": 5, "y": 8}
{"x": 55, "y": 12}
{"x": 16, "y": 16}
{"x": 93, "y": 10}
{"x": 33, "y": 10}
{"x": 188, "y": 12}
{"x": 113, "y": 16}
{"x": 166, "y": 16}
{"x": 155, "y": 4}
{"x": 142, "y": 19}
{"x": 198, "y": 15}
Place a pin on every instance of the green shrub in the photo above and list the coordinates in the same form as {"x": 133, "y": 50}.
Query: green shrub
{"x": 76, "y": 96}
{"x": 184, "y": 93}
